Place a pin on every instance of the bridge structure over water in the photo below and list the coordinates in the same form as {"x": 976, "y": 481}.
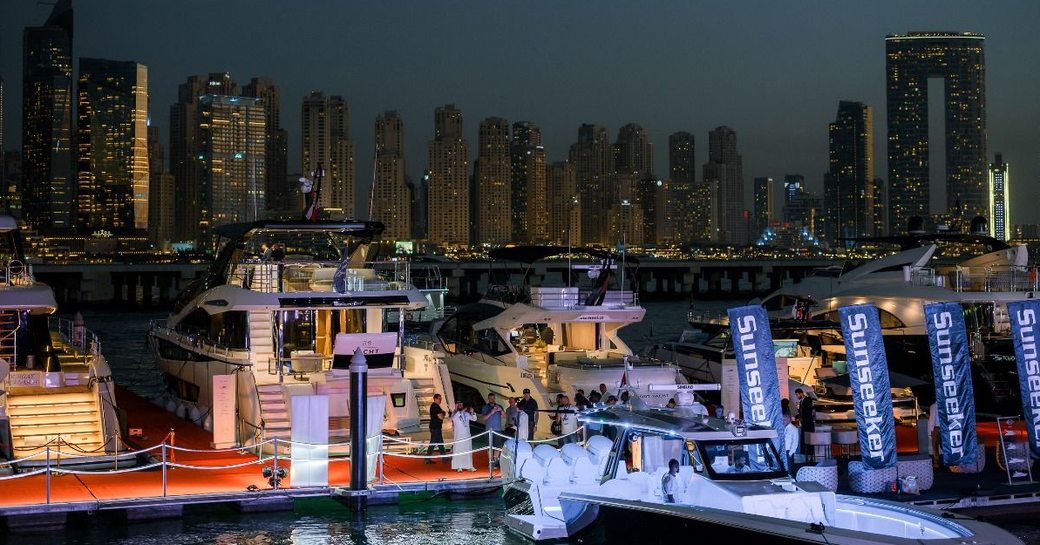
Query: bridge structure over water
{"x": 146, "y": 285}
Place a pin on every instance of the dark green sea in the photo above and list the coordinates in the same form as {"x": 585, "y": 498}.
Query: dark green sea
{"x": 435, "y": 520}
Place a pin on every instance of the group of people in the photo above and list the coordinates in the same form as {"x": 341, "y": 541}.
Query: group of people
{"x": 518, "y": 420}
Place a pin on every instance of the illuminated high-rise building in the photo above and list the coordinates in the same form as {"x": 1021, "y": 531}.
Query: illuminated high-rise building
{"x": 185, "y": 159}
{"x": 593, "y": 162}
{"x": 47, "y": 180}
{"x": 682, "y": 173}
{"x": 999, "y": 199}
{"x": 529, "y": 202}
{"x": 282, "y": 194}
{"x": 764, "y": 207}
{"x": 634, "y": 164}
{"x": 2, "y": 116}
{"x": 564, "y": 204}
{"x": 725, "y": 168}
{"x": 390, "y": 194}
{"x": 880, "y": 207}
{"x": 160, "y": 192}
{"x": 912, "y": 61}
{"x": 232, "y": 142}
{"x": 326, "y": 142}
{"x": 848, "y": 187}
{"x": 112, "y": 147}
{"x": 794, "y": 185}
{"x": 448, "y": 186}
{"x": 493, "y": 179}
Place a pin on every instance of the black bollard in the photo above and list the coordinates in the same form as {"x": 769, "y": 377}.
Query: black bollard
{"x": 358, "y": 417}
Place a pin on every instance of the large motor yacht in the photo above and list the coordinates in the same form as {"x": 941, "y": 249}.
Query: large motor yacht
{"x": 57, "y": 396}
{"x": 268, "y": 313}
{"x": 730, "y": 482}
{"x": 550, "y": 340}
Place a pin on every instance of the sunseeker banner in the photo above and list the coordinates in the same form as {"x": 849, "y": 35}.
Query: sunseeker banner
{"x": 954, "y": 396}
{"x": 1024, "y": 315}
{"x": 868, "y": 376}
{"x": 756, "y": 367}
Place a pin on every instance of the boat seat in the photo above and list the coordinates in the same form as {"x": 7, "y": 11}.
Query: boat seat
{"x": 685, "y": 477}
{"x": 865, "y": 480}
{"x": 654, "y": 491}
{"x": 622, "y": 489}
{"x": 571, "y": 452}
{"x": 796, "y": 506}
{"x": 532, "y": 470}
{"x": 514, "y": 454}
{"x": 557, "y": 472}
{"x": 599, "y": 448}
{"x": 584, "y": 471}
{"x": 825, "y": 473}
{"x": 543, "y": 453}
{"x": 641, "y": 480}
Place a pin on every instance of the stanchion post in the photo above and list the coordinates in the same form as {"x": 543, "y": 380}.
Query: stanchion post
{"x": 274, "y": 472}
{"x": 382, "y": 463}
{"x": 48, "y": 473}
{"x": 491, "y": 452}
{"x": 358, "y": 431}
{"x": 164, "y": 469}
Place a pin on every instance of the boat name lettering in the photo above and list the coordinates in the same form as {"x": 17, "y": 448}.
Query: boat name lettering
{"x": 861, "y": 357}
{"x": 1026, "y": 321}
{"x": 592, "y": 317}
{"x": 746, "y": 326}
{"x": 525, "y": 374}
{"x": 954, "y": 412}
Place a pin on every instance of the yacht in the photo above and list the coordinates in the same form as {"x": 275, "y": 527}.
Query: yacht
{"x": 270, "y": 313}
{"x": 615, "y": 487}
{"x": 550, "y": 339}
{"x": 928, "y": 268}
{"x": 57, "y": 398}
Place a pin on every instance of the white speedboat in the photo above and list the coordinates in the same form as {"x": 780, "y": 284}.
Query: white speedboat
{"x": 57, "y": 396}
{"x": 271, "y": 319}
{"x": 549, "y": 340}
{"x": 615, "y": 486}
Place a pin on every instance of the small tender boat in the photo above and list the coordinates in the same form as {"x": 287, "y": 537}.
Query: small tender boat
{"x": 730, "y": 482}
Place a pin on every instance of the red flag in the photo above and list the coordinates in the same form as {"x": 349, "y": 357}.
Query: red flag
{"x": 313, "y": 211}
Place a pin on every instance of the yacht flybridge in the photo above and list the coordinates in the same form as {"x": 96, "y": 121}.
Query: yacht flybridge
{"x": 57, "y": 392}
{"x": 729, "y": 482}
{"x": 268, "y": 314}
{"x": 550, "y": 339}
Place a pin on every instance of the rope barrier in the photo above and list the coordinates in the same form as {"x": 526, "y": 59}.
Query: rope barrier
{"x": 145, "y": 467}
{"x": 214, "y": 468}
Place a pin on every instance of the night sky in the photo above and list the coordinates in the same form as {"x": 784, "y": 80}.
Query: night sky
{"x": 774, "y": 71}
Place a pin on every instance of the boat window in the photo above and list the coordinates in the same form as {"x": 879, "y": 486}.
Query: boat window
{"x": 887, "y": 319}
{"x": 650, "y": 453}
{"x": 720, "y": 341}
{"x": 490, "y": 342}
{"x": 753, "y": 458}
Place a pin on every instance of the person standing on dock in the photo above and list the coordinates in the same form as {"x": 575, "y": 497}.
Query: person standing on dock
{"x": 462, "y": 443}
{"x": 806, "y": 417}
{"x": 492, "y": 415}
{"x": 437, "y": 415}
{"x": 530, "y": 406}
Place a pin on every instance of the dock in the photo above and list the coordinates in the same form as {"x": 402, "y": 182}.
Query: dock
{"x": 191, "y": 473}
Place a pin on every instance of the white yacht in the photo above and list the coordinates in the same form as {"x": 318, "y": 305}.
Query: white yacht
{"x": 615, "y": 487}
{"x": 57, "y": 392}
{"x": 549, "y": 340}
{"x": 269, "y": 312}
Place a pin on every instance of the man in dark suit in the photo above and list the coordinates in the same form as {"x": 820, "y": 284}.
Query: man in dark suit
{"x": 806, "y": 417}
{"x": 437, "y": 416}
{"x": 529, "y": 406}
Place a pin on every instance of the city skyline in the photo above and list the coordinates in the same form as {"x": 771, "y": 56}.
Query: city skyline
{"x": 782, "y": 125}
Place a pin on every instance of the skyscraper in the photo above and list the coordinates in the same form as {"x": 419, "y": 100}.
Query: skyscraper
{"x": 48, "y": 200}
{"x": 530, "y": 207}
{"x": 564, "y": 204}
{"x": 725, "y": 168}
{"x": 634, "y": 164}
{"x": 1000, "y": 199}
{"x": 681, "y": 170}
{"x": 390, "y": 194}
{"x": 2, "y": 116}
{"x": 880, "y": 207}
{"x": 281, "y": 195}
{"x": 184, "y": 148}
{"x": 448, "y": 186}
{"x": 764, "y": 212}
{"x": 912, "y": 59}
{"x": 232, "y": 141}
{"x": 848, "y": 187}
{"x": 112, "y": 147}
{"x": 326, "y": 142}
{"x": 160, "y": 192}
{"x": 494, "y": 179}
{"x": 593, "y": 162}
{"x": 794, "y": 185}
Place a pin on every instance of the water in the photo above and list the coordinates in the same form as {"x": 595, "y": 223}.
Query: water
{"x": 435, "y": 521}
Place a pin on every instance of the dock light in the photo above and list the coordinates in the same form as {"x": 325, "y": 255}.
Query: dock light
{"x": 274, "y": 477}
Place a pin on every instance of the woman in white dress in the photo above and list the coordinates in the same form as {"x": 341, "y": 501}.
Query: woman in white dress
{"x": 462, "y": 443}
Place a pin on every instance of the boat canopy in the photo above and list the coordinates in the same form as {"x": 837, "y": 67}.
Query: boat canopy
{"x": 364, "y": 229}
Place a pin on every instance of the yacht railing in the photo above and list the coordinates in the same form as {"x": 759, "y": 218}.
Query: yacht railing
{"x": 293, "y": 276}
{"x": 196, "y": 341}
{"x": 706, "y": 317}
{"x": 15, "y": 272}
{"x": 76, "y": 336}
{"x": 1007, "y": 278}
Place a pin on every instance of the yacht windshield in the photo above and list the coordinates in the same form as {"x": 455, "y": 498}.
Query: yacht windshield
{"x": 750, "y": 459}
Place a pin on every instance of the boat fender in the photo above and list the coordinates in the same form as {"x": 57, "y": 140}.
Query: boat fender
{"x": 171, "y": 405}
{"x": 207, "y": 423}
{"x": 196, "y": 416}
